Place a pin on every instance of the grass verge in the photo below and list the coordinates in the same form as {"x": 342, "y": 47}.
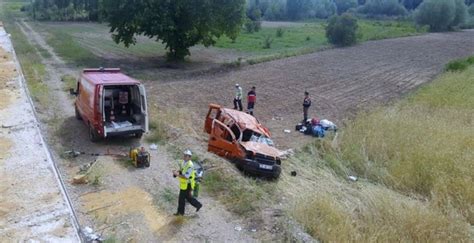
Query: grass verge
{"x": 30, "y": 61}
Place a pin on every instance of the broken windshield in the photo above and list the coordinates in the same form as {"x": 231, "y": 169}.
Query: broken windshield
{"x": 261, "y": 139}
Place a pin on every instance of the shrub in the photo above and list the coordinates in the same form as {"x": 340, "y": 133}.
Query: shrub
{"x": 471, "y": 10}
{"x": 441, "y": 15}
{"x": 267, "y": 42}
{"x": 252, "y": 26}
{"x": 456, "y": 66}
{"x": 341, "y": 30}
{"x": 280, "y": 32}
{"x": 383, "y": 7}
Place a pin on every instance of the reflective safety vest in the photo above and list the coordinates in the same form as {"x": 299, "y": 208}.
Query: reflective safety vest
{"x": 183, "y": 182}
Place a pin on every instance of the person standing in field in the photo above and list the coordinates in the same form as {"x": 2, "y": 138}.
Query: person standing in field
{"x": 306, "y": 105}
{"x": 238, "y": 97}
{"x": 186, "y": 176}
{"x": 251, "y": 99}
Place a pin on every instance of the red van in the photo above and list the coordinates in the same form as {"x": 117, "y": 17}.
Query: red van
{"x": 110, "y": 103}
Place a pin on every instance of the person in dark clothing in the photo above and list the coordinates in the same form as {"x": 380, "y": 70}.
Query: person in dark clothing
{"x": 186, "y": 176}
{"x": 306, "y": 105}
{"x": 251, "y": 99}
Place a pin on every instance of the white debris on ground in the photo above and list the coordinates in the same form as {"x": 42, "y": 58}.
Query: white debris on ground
{"x": 33, "y": 206}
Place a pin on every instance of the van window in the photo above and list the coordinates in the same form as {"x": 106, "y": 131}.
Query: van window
{"x": 213, "y": 114}
{"x": 236, "y": 131}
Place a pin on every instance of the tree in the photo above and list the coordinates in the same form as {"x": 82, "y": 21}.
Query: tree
{"x": 441, "y": 15}
{"x": 344, "y": 5}
{"x": 178, "y": 24}
{"x": 323, "y": 9}
{"x": 295, "y": 8}
{"x": 411, "y": 4}
{"x": 341, "y": 30}
{"x": 383, "y": 7}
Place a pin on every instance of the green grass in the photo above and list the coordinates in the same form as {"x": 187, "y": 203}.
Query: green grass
{"x": 242, "y": 196}
{"x": 459, "y": 65}
{"x": 417, "y": 153}
{"x": 312, "y": 36}
{"x": 30, "y": 61}
{"x": 69, "y": 82}
{"x": 90, "y": 44}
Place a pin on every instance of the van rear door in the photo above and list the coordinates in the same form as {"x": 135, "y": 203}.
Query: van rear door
{"x": 144, "y": 107}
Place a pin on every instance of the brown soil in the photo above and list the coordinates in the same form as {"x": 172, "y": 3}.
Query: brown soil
{"x": 340, "y": 81}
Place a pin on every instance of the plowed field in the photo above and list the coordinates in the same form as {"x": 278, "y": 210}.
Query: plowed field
{"x": 340, "y": 81}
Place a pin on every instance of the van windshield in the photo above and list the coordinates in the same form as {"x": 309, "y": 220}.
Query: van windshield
{"x": 252, "y": 136}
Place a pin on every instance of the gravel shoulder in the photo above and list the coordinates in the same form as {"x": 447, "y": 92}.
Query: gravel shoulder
{"x": 33, "y": 205}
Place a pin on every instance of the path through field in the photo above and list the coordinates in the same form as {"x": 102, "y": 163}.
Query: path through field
{"x": 340, "y": 80}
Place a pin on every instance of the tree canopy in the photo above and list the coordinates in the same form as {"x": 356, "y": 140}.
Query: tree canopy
{"x": 441, "y": 15}
{"x": 178, "y": 24}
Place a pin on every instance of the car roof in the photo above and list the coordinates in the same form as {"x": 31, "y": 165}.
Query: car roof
{"x": 245, "y": 121}
{"x": 112, "y": 76}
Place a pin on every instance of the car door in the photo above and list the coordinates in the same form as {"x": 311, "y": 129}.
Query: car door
{"x": 222, "y": 141}
{"x": 211, "y": 115}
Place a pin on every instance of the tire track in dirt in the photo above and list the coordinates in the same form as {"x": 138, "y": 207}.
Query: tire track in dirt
{"x": 341, "y": 80}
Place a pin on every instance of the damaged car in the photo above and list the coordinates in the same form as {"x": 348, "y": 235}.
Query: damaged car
{"x": 241, "y": 138}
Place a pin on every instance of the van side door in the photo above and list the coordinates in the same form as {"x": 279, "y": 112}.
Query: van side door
{"x": 222, "y": 140}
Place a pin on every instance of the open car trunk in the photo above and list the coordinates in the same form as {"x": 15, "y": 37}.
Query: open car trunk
{"x": 124, "y": 109}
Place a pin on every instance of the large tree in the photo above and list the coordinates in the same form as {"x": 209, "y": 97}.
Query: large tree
{"x": 179, "y": 24}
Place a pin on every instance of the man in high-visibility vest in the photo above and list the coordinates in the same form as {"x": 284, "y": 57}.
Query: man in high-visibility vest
{"x": 186, "y": 176}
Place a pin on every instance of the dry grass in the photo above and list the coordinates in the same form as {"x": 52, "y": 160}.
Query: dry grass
{"x": 374, "y": 214}
{"x": 417, "y": 157}
{"x": 423, "y": 145}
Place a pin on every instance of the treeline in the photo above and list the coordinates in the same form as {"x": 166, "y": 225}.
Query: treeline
{"x": 322, "y": 9}
{"x": 65, "y": 10}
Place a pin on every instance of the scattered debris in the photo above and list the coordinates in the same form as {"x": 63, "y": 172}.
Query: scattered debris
{"x": 253, "y": 230}
{"x": 352, "y": 178}
{"x": 91, "y": 236}
{"x": 293, "y": 173}
{"x": 287, "y": 153}
{"x": 153, "y": 146}
{"x": 238, "y": 228}
{"x": 287, "y": 131}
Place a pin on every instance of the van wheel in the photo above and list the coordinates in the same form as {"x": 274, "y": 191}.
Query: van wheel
{"x": 78, "y": 115}
{"x": 93, "y": 134}
{"x": 138, "y": 135}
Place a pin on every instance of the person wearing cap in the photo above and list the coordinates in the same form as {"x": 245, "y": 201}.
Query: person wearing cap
{"x": 186, "y": 176}
{"x": 238, "y": 97}
{"x": 251, "y": 99}
{"x": 306, "y": 105}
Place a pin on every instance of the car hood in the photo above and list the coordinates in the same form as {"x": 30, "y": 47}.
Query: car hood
{"x": 262, "y": 148}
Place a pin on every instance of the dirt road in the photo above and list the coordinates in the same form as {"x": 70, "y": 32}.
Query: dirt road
{"x": 340, "y": 80}
{"x": 124, "y": 203}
